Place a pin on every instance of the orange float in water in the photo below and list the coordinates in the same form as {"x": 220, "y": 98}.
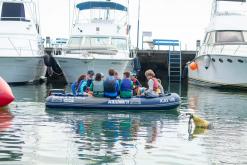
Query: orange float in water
{"x": 193, "y": 66}
{"x": 5, "y": 119}
{"x": 6, "y": 95}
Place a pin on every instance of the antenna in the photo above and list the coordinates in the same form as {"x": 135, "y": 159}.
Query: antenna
{"x": 138, "y": 25}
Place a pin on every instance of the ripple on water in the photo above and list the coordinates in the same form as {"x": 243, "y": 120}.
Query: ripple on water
{"x": 38, "y": 136}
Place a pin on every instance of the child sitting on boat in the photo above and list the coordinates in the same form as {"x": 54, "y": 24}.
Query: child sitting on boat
{"x": 136, "y": 85}
{"x": 97, "y": 86}
{"x": 154, "y": 86}
{"x": 126, "y": 86}
{"x": 80, "y": 86}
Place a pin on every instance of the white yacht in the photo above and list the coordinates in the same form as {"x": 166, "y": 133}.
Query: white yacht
{"x": 222, "y": 58}
{"x": 99, "y": 40}
{"x": 21, "y": 53}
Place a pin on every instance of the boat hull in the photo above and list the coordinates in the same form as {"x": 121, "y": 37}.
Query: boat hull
{"x": 219, "y": 71}
{"x": 167, "y": 102}
{"x": 22, "y": 69}
{"x": 74, "y": 67}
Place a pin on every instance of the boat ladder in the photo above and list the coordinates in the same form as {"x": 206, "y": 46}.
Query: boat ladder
{"x": 174, "y": 66}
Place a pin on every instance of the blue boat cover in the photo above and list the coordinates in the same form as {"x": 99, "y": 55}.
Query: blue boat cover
{"x": 101, "y": 5}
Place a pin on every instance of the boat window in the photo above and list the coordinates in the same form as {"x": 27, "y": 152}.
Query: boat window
{"x": 241, "y": 61}
{"x": 229, "y": 60}
{"x": 221, "y": 60}
{"x": 211, "y": 39}
{"x": 75, "y": 42}
{"x": 229, "y": 36}
{"x": 119, "y": 43}
{"x": 213, "y": 59}
{"x": 13, "y": 12}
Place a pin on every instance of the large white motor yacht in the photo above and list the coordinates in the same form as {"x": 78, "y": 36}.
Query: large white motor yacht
{"x": 21, "y": 53}
{"x": 99, "y": 40}
{"x": 222, "y": 59}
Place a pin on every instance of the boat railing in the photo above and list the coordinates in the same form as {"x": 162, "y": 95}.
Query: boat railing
{"x": 20, "y": 49}
{"x": 232, "y": 49}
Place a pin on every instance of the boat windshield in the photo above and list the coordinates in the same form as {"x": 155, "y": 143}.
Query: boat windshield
{"x": 75, "y": 42}
{"x": 119, "y": 43}
{"x": 229, "y": 36}
{"x": 226, "y": 37}
{"x": 97, "y": 42}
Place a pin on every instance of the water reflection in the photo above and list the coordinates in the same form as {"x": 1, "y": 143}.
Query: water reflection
{"x": 10, "y": 142}
{"x": 105, "y": 137}
{"x": 30, "y": 93}
{"x": 226, "y": 109}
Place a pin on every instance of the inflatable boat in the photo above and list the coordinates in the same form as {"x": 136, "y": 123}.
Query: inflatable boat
{"x": 6, "y": 95}
{"x": 63, "y": 100}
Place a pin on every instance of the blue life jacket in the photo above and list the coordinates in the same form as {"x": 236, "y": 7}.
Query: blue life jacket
{"x": 110, "y": 85}
{"x": 82, "y": 86}
{"x": 89, "y": 82}
{"x": 126, "y": 85}
{"x": 80, "y": 89}
{"x": 73, "y": 88}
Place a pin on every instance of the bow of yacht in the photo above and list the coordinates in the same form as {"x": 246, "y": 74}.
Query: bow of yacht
{"x": 21, "y": 53}
{"x": 99, "y": 40}
{"x": 222, "y": 58}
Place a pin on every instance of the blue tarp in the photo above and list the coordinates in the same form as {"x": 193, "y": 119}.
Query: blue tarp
{"x": 101, "y": 5}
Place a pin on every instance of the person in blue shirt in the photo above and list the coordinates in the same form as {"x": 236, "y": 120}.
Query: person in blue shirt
{"x": 80, "y": 86}
{"x": 126, "y": 86}
{"x": 111, "y": 85}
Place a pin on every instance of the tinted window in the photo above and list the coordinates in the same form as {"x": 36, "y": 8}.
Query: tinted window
{"x": 230, "y": 36}
{"x": 13, "y": 11}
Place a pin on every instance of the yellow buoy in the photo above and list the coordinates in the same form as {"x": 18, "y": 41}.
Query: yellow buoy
{"x": 200, "y": 122}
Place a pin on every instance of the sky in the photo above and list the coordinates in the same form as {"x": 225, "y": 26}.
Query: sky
{"x": 166, "y": 19}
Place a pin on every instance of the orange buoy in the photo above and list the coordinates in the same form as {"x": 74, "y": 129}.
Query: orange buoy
{"x": 193, "y": 66}
{"x": 6, "y": 95}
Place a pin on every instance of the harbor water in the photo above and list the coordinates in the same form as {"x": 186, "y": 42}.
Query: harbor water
{"x": 32, "y": 134}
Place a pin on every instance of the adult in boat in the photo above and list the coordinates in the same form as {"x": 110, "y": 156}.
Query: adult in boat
{"x": 154, "y": 86}
{"x": 126, "y": 86}
{"x": 136, "y": 84}
{"x": 80, "y": 86}
{"x": 90, "y": 75}
{"x": 111, "y": 85}
{"x": 97, "y": 86}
